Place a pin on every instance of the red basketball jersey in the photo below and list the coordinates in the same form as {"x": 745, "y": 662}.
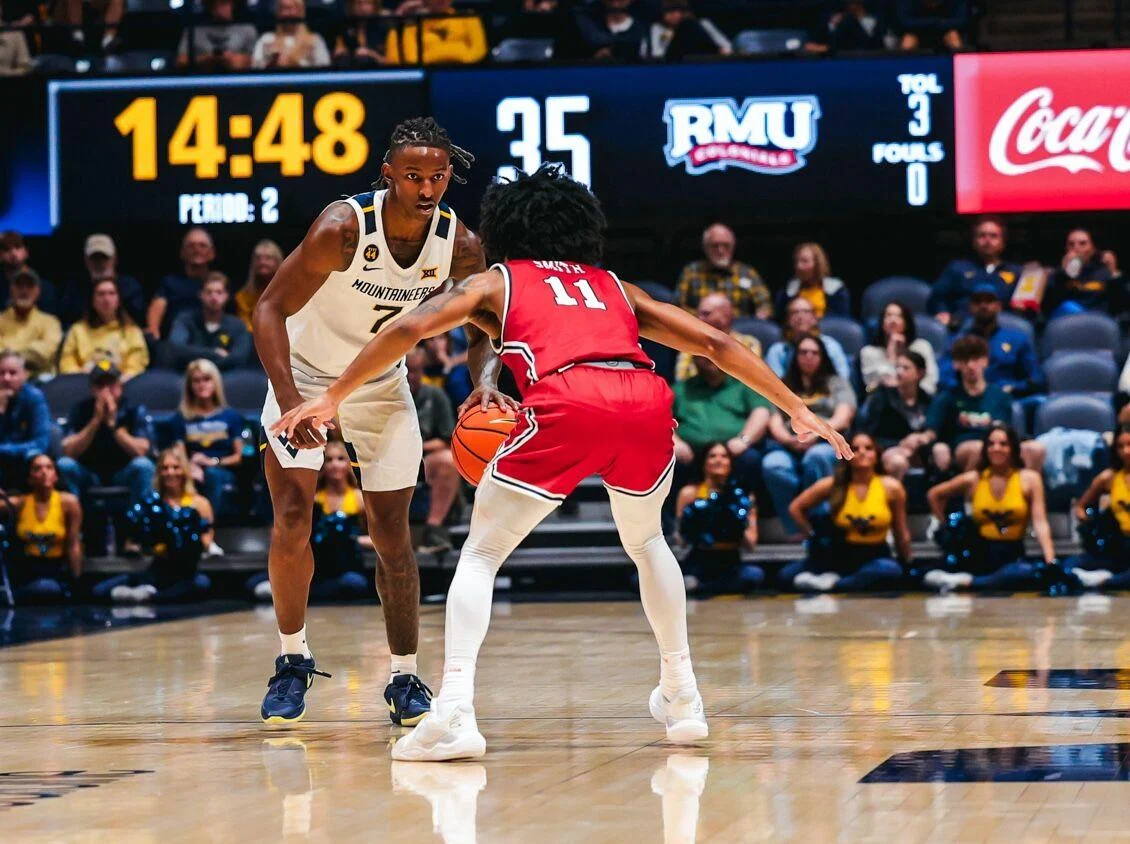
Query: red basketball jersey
{"x": 558, "y": 314}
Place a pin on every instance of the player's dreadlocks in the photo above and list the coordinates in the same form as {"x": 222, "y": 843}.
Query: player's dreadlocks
{"x": 425, "y": 132}
{"x": 544, "y": 216}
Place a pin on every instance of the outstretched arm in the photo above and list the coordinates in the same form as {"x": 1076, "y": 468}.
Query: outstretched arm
{"x": 677, "y": 329}
{"x": 476, "y": 299}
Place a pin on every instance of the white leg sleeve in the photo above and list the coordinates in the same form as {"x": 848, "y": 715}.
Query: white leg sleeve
{"x": 501, "y": 519}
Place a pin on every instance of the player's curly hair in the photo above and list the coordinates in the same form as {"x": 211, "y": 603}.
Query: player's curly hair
{"x": 542, "y": 216}
{"x": 425, "y": 132}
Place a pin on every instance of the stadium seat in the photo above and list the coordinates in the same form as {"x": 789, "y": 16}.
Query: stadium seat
{"x": 523, "y": 50}
{"x": 1090, "y": 331}
{"x": 658, "y": 292}
{"x": 1080, "y": 372}
{"x": 767, "y": 332}
{"x": 1087, "y": 413}
{"x": 1019, "y": 420}
{"x": 751, "y": 42}
{"x": 141, "y": 61}
{"x": 56, "y": 63}
{"x": 159, "y": 390}
{"x": 912, "y": 292}
{"x": 65, "y": 391}
{"x": 1019, "y": 323}
{"x": 932, "y": 331}
{"x": 847, "y": 331}
{"x": 245, "y": 390}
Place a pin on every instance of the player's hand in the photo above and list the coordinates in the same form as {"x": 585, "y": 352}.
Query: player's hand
{"x": 485, "y": 397}
{"x": 809, "y": 426}
{"x": 300, "y": 424}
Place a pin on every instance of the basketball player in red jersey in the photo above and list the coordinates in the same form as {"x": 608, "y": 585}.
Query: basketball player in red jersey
{"x": 591, "y": 404}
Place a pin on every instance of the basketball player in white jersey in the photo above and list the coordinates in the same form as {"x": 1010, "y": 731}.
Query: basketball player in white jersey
{"x": 365, "y": 263}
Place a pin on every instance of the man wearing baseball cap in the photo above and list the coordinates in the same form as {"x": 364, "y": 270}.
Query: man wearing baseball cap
{"x": 26, "y": 329}
{"x": 14, "y": 255}
{"x": 949, "y": 298}
{"x": 100, "y": 256}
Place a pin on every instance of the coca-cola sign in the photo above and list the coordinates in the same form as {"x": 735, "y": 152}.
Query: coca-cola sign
{"x": 1043, "y": 131}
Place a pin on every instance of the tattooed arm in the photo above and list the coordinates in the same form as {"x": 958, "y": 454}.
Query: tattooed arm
{"x": 476, "y": 300}
{"x": 483, "y": 363}
{"x": 328, "y": 246}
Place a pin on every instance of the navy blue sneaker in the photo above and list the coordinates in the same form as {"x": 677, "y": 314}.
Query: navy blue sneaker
{"x": 408, "y": 699}
{"x": 285, "y": 702}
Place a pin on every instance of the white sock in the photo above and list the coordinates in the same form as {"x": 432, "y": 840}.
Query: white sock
{"x": 676, "y": 676}
{"x": 405, "y": 664}
{"x": 294, "y": 643}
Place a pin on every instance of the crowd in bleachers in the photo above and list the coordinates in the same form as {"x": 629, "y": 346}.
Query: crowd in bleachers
{"x": 227, "y": 35}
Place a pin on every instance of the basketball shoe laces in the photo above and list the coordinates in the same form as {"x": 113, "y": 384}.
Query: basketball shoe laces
{"x": 290, "y": 672}
{"x": 418, "y": 685}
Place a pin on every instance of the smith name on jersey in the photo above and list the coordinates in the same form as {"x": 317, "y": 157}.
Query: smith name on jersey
{"x": 372, "y": 293}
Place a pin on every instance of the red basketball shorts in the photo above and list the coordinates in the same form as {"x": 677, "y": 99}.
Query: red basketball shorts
{"x": 590, "y": 421}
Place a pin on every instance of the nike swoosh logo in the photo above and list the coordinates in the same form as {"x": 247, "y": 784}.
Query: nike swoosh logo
{"x": 367, "y": 268}
{"x": 497, "y": 421}
{"x": 392, "y": 707}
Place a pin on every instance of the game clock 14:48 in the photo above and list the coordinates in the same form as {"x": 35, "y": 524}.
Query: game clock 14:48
{"x": 208, "y": 151}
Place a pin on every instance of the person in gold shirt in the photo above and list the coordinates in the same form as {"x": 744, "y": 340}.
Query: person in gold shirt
{"x": 265, "y": 261}
{"x": 455, "y": 39}
{"x": 26, "y": 329}
{"x": 106, "y": 332}
{"x": 46, "y": 552}
{"x": 1110, "y": 569}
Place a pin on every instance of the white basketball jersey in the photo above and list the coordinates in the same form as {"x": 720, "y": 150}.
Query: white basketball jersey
{"x": 374, "y": 292}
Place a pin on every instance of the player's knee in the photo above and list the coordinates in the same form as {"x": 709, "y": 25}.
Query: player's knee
{"x": 967, "y": 454}
{"x": 896, "y": 463}
{"x": 439, "y": 466}
{"x": 1032, "y": 454}
{"x": 293, "y": 522}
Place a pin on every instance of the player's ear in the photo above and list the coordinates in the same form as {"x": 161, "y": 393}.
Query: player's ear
{"x": 386, "y": 171}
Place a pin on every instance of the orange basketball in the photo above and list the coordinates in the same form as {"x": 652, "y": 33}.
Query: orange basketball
{"x": 477, "y": 438}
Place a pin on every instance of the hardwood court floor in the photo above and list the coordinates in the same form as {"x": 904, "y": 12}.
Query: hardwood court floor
{"x": 805, "y": 699}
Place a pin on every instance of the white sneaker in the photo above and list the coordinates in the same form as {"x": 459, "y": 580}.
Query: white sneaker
{"x": 444, "y": 734}
{"x": 805, "y": 581}
{"x": 122, "y": 594}
{"x": 144, "y": 593}
{"x": 263, "y": 591}
{"x": 947, "y": 581}
{"x": 683, "y": 717}
{"x": 690, "y": 583}
{"x": 827, "y": 581}
{"x": 1092, "y": 579}
{"x": 214, "y": 550}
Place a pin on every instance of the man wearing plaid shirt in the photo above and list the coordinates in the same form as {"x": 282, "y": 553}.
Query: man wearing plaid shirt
{"x": 720, "y": 273}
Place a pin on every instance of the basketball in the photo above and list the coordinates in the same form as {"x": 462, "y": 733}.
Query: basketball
{"x": 477, "y": 437}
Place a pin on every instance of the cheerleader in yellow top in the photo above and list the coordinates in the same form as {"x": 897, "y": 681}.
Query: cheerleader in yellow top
{"x": 1006, "y": 500}
{"x": 865, "y": 507}
{"x": 1110, "y": 570}
{"x": 46, "y": 551}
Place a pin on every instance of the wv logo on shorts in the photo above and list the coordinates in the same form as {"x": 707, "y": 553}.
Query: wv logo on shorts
{"x": 764, "y": 134}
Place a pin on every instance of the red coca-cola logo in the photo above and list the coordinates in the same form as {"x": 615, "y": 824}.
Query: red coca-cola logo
{"x": 1043, "y": 131}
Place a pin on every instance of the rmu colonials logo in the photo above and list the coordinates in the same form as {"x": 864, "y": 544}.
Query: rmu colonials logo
{"x": 764, "y": 134}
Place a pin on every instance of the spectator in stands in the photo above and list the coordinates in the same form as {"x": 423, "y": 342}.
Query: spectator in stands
{"x": 1106, "y": 565}
{"x": 949, "y": 298}
{"x": 611, "y": 29}
{"x": 14, "y": 256}
{"x": 108, "y": 439}
{"x": 437, "y": 421}
{"x": 932, "y": 24}
{"x": 105, "y": 332}
{"x": 718, "y": 272}
{"x": 1006, "y": 499}
{"x": 895, "y": 334}
{"x": 15, "y": 58}
{"x": 449, "y": 37}
{"x": 851, "y": 27}
{"x": 265, "y": 261}
{"x": 212, "y": 434}
{"x": 292, "y": 44}
{"x": 210, "y": 332}
{"x": 70, "y": 13}
{"x": 712, "y": 406}
{"x": 791, "y": 465}
{"x": 25, "y": 421}
{"x": 800, "y": 322}
{"x": 28, "y": 330}
{"x": 100, "y": 257}
{"x": 866, "y": 506}
{"x": 45, "y": 554}
{"x": 716, "y": 519}
{"x": 177, "y": 537}
{"x": 543, "y": 19}
{"x": 829, "y": 295}
{"x": 21, "y": 13}
{"x": 338, "y": 535}
{"x": 1087, "y": 280}
{"x": 447, "y": 359}
{"x": 181, "y": 292}
{"x": 361, "y": 41}
{"x": 895, "y": 416}
{"x": 678, "y": 33}
{"x": 219, "y": 43}
{"x": 717, "y": 310}
{"x": 1014, "y": 365}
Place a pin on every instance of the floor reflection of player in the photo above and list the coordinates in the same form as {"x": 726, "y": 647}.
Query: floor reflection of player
{"x": 591, "y": 405}
{"x": 680, "y": 782}
{"x": 453, "y": 792}
{"x": 288, "y": 775}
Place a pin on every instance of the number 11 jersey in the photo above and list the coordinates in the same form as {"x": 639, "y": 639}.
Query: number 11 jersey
{"x": 372, "y": 293}
{"x": 558, "y": 314}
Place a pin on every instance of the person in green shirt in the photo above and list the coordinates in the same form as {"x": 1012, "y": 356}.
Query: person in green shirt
{"x": 713, "y": 407}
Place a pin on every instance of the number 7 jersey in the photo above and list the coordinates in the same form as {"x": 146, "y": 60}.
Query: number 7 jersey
{"x": 372, "y": 293}
{"x": 558, "y": 314}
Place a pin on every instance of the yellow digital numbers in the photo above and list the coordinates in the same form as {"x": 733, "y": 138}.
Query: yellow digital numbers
{"x": 339, "y": 148}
